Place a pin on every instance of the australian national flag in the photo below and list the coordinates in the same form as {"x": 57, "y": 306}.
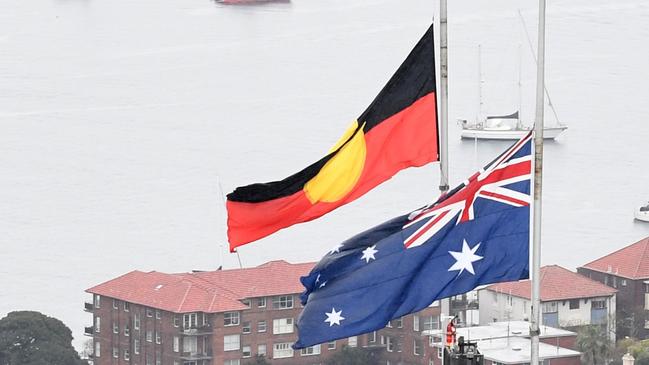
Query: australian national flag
{"x": 476, "y": 234}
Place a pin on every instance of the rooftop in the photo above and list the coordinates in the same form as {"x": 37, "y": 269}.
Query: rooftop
{"x": 631, "y": 262}
{"x": 557, "y": 283}
{"x": 209, "y": 291}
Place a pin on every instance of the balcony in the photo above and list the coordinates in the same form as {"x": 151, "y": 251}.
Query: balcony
{"x": 89, "y": 331}
{"x": 205, "y": 329}
{"x": 88, "y": 307}
{"x": 194, "y": 356}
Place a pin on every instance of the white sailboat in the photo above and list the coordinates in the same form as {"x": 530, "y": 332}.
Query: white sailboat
{"x": 506, "y": 127}
{"x": 642, "y": 213}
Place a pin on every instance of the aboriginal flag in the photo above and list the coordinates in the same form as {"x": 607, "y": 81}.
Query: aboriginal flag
{"x": 398, "y": 130}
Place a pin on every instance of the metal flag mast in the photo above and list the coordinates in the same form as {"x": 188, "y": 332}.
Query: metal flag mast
{"x": 538, "y": 179}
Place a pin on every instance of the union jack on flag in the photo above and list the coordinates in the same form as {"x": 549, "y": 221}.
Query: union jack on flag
{"x": 505, "y": 181}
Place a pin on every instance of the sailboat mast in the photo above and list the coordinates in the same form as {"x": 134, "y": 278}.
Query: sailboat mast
{"x": 520, "y": 87}
{"x": 538, "y": 179}
{"x": 443, "y": 101}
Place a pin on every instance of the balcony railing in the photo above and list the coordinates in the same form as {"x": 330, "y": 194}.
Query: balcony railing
{"x": 193, "y": 356}
{"x": 205, "y": 329}
{"x": 88, "y": 307}
{"x": 89, "y": 331}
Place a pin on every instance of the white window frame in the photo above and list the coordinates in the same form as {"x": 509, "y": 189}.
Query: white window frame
{"x": 97, "y": 324}
{"x": 158, "y": 338}
{"x": 231, "y": 319}
{"x": 97, "y": 349}
{"x": 331, "y": 345}
{"x": 232, "y": 362}
{"x": 97, "y": 300}
{"x": 415, "y": 323}
{"x": 261, "y": 349}
{"x": 136, "y": 346}
{"x": 261, "y": 302}
{"x": 246, "y": 327}
{"x": 190, "y": 320}
{"x": 231, "y": 342}
{"x": 127, "y": 330}
{"x": 310, "y": 351}
{"x": 136, "y": 322}
{"x": 352, "y": 341}
{"x": 246, "y": 351}
{"x": 127, "y": 306}
{"x": 115, "y": 327}
{"x": 176, "y": 321}
{"x": 282, "y": 350}
{"x": 415, "y": 347}
{"x": 282, "y": 326}
{"x": 158, "y": 315}
{"x": 149, "y": 312}
{"x": 176, "y": 344}
{"x": 116, "y": 352}
{"x": 149, "y": 336}
{"x": 261, "y": 326}
{"x": 283, "y": 302}
{"x": 127, "y": 355}
{"x": 116, "y": 306}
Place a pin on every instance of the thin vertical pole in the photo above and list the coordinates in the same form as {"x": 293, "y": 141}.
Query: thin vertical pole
{"x": 443, "y": 127}
{"x": 443, "y": 107}
{"x": 538, "y": 179}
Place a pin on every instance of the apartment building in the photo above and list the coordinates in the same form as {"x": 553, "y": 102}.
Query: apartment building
{"x": 226, "y": 317}
{"x": 568, "y": 300}
{"x": 627, "y": 271}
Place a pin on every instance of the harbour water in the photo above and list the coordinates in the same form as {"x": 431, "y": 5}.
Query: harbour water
{"x": 123, "y": 122}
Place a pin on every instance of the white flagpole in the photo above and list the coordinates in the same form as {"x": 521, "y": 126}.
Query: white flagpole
{"x": 445, "y": 304}
{"x": 538, "y": 179}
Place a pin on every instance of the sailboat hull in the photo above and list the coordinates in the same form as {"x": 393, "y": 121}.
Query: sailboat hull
{"x": 508, "y": 134}
{"x": 641, "y": 216}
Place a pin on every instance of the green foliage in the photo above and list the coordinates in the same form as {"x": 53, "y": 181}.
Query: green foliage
{"x": 595, "y": 345}
{"x": 31, "y": 338}
{"x": 354, "y": 356}
{"x": 258, "y": 360}
{"x": 639, "y": 350}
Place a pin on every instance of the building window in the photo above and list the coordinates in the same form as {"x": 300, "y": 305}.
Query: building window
{"x": 116, "y": 306}
{"x": 158, "y": 315}
{"x": 230, "y": 362}
{"x": 574, "y": 303}
{"x": 308, "y": 351}
{"x": 149, "y": 336}
{"x": 261, "y": 326}
{"x": 399, "y": 322}
{"x": 97, "y": 301}
{"x": 158, "y": 339}
{"x": 261, "y": 302}
{"x": 352, "y": 341}
{"x": 245, "y": 329}
{"x": 97, "y": 349}
{"x": 97, "y": 324}
{"x": 231, "y": 319}
{"x": 176, "y": 321}
{"x": 246, "y": 302}
{"x": 245, "y": 351}
{"x": 127, "y": 331}
{"x": 282, "y": 350}
{"x": 136, "y": 322}
{"x": 261, "y": 349}
{"x": 388, "y": 342}
{"x": 149, "y": 361}
{"x": 231, "y": 342}
{"x": 550, "y": 307}
{"x": 371, "y": 337}
{"x": 431, "y": 323}
{"x": 127, "y": 306}
{"x": 190, "y": 320}
{"x": 176, "y": 344}
{"x": 282, "y": 325}
{"x": 440, "y": 352}
{"x": 127, "y": 355}
{"x": 115, "y": 327}
{"x": 136, "y": 346}
{"x": 331, "y": 345}
{"x": 415, "y": 323}
{"x": 115, "y": 352}
{"x": 417, "y": 347}
{"x": 149, "y": 312}
{"x": 598, "y": 304}
{"x": 158, "y": 361}
{"x": 190, "y": 344}
{"x": 283, "y": 302}
{"x": 623, "y": 282}
{"x": 389, "y": 325}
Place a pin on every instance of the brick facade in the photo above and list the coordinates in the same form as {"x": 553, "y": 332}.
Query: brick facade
{"x": 162, "y": 337}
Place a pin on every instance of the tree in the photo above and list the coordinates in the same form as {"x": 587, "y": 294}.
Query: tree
{"x": 595, "y": 345}
{"x": 31, "y": 338}
{"x": 354, "y": 356}
{"x": 258, "y": 360}
{"x": 632, "y": 322}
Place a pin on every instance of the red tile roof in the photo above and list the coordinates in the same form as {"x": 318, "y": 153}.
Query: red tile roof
{"x": 210, "y": 291}
{"x": 630, "y": 262}
{"x": 557, "y": 283}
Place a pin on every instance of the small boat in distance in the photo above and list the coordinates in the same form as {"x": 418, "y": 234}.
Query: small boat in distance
{"x": 642, "y": 213}
{"x": 504, "y": 127}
